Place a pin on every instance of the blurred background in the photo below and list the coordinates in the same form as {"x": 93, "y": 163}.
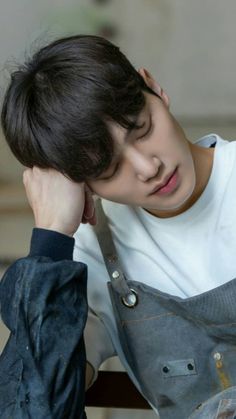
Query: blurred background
{"x": 189, "y": 47}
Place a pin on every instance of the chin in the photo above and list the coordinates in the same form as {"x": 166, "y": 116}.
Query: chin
{"x": 177, "y": 202}
{"x": 182, "y": 203}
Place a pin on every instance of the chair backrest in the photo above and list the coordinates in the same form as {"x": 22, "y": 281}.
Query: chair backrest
{"x": 115, "y": 389}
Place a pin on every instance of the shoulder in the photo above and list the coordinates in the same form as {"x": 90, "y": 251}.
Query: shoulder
{"x": 225, "y": 149}
{"x": 210, "y": 140}
{"x": 122, "y": 219}
{"x": 118, "y": 212}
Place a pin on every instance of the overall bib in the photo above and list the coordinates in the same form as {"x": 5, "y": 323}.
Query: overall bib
{"x": 181, "y": 351}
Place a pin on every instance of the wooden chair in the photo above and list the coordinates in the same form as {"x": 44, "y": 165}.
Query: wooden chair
{"x": 115, "y": 389}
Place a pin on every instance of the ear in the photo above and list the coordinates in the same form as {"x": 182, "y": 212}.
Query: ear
{"x": 152, "y": 83}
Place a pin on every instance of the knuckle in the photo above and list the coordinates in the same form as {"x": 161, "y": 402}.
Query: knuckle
{"x": 25, "y": 175}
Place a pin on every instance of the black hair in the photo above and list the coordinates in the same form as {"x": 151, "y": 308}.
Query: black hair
{"x": 57, "y": 106}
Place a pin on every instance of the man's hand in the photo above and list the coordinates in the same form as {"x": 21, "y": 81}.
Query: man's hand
{"x": 58, "y": 203}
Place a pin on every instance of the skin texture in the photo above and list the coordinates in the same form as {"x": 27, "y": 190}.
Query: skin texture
{"x": 63, "y": 211}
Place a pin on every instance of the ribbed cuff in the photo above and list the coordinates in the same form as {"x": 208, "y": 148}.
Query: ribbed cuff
{"x": 52, "y": 244}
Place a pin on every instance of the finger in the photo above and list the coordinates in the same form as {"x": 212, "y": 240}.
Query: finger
{"x": 89, "y": 205}
{"x": 26, "y": 181}
{"x": 26, "y": 174}
{"x": 93, "y": 219}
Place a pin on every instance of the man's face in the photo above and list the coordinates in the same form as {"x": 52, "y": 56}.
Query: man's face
{"x": 157, "y": 154}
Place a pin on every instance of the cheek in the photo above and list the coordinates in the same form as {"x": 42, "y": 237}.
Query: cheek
{"x": 95, "y": 188}
{"x": 187, "y": 171}
{"x": 119, "y": 191}
{"x": 106, "y": 191}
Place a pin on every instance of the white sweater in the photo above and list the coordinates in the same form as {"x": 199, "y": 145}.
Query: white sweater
{"x": 184, "y": 255}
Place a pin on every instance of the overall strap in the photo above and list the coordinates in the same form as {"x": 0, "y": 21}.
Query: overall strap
{"x": 109, "y": 253}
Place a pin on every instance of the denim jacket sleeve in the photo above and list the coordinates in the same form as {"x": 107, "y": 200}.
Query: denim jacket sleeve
{"x": 42, "y": 367}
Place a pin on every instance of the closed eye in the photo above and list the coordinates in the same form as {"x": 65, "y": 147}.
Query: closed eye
{"x": 143, "y": 136}
{"x": 115, "y": 171}
{"x": 148, "y": 130}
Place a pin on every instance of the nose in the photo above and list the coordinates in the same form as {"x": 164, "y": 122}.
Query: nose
{"x": 146, "y": 167}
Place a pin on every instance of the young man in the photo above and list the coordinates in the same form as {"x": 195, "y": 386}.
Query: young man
{"x": 81, "y": 108}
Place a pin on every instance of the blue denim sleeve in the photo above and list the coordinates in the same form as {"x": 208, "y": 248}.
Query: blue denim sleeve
{"x": 50, "y": 243}
{"x": 42, "y": 367}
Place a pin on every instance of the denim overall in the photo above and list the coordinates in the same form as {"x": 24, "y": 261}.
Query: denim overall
{"x": 181, "y": 351}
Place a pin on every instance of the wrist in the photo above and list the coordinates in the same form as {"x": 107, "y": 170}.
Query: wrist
{"x": 58, "y": 228}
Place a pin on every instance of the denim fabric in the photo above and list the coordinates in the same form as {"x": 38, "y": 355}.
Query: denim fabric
{"x": 182, "y": 351}
{"x": 221, "y": 406}
{"x": 42, "y": 367}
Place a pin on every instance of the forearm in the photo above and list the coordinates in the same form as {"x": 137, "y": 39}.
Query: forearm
{"x": 44, "y": 304}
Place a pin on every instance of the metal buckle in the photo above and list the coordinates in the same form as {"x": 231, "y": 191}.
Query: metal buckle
{"x": 130, "y": 300}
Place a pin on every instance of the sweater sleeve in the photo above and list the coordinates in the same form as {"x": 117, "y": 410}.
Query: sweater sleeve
{"x": 44, "y": 305}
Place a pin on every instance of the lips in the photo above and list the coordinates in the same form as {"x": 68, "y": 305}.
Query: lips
{"x": 165, "y": 183}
